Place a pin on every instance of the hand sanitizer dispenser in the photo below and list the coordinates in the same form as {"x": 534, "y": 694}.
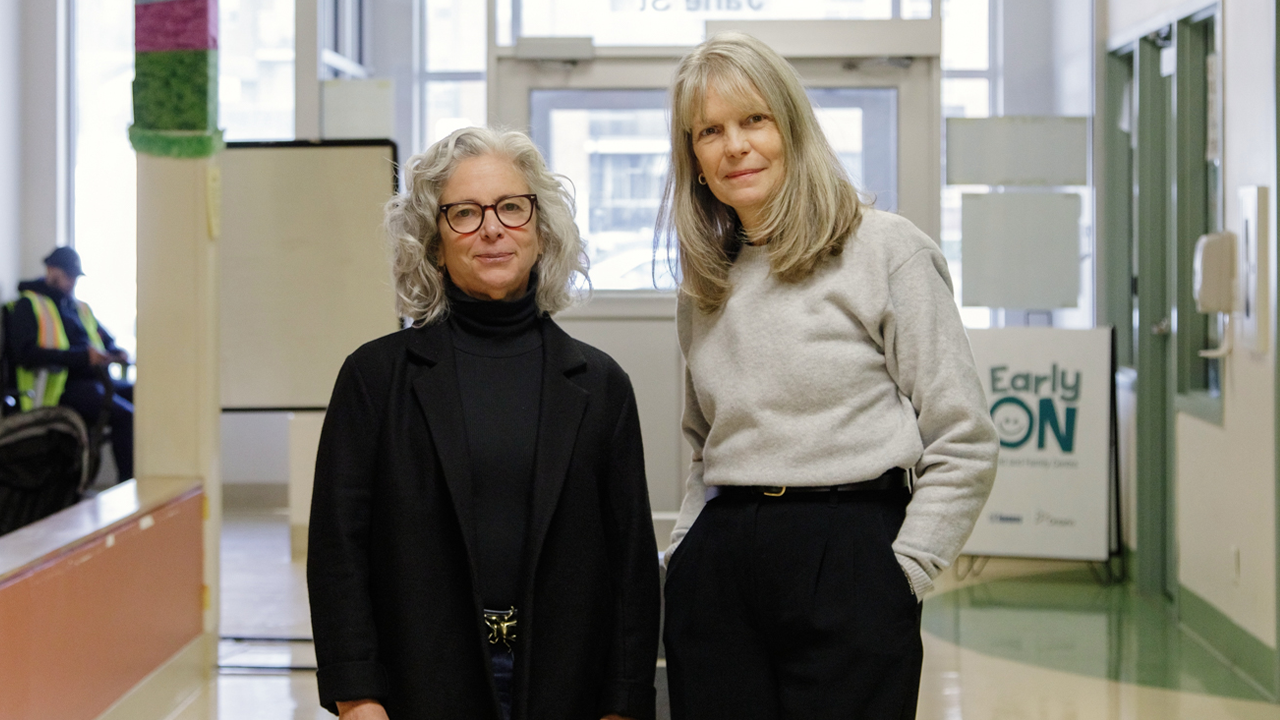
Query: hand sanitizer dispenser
{"x": 1214, "y": 273}
{"x": 1213, "y": 281}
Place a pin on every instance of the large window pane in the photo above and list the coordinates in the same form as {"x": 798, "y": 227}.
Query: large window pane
{"x": 450, "y": 105}
{"x": 255, "y": 73}
{"x": 966, "y": 97}
{"x": 453, "y": 81}
{"x": 664, "y": 22}
{"x": 966, "y": 35}
{"x": 455, "y": 35}
{"x": 104, "y": 176}
{"x": 917, "y": 9}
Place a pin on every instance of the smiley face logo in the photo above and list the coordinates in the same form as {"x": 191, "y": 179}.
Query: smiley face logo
{"x": 1014, "y": 421}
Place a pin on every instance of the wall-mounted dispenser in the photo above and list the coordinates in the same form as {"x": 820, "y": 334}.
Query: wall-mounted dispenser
{"x": 1213, "y": 281}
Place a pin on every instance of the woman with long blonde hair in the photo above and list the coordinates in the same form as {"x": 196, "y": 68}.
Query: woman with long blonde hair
{"x": 842, "y": 449}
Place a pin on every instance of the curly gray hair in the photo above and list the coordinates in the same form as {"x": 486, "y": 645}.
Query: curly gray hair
{"x": 412, "y": 217}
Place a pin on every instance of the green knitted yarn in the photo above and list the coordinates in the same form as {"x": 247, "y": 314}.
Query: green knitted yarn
{"x": 175, "y": 143}
{"x": 176, "y": 90}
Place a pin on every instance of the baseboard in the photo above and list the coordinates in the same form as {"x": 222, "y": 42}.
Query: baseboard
{"x": 1250, "y": 656}
{"x": 298, "y": 541}
{"x": 255, "y": 496}
{"x": 170, "y": 687}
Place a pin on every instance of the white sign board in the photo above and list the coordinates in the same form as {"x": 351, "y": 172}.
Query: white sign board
{"x": 1049, "y": 392}
{"x": 1020, "y": 250}
{"x": 1050, "y": 151}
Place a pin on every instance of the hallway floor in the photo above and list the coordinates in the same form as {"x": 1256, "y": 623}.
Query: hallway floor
{"x": 1023, "y": 640}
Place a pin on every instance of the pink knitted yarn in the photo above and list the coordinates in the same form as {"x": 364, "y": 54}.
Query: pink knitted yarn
{"x": 176, "y": 25}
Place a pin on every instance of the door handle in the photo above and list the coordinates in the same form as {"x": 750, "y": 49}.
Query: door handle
{"x": 1164, "y": 327}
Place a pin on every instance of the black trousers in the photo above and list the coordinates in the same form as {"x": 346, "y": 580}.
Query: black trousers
{"x": 793, "y": 608}
{"x": 85, "y": 397}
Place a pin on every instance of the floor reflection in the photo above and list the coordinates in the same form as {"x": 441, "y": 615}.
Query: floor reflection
{"x": 1067, "y": 622}
{"x": 1024, "y": 641}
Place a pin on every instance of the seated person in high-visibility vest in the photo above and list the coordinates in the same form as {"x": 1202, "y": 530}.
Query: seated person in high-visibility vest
{"x": 51, "y": 330}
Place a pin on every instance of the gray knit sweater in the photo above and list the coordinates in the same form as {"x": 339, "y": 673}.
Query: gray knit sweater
{"x": 862, "y": 367}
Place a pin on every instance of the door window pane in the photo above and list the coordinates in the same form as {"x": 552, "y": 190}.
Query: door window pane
{"x": 612, "y": 147}
{"x": 862, "y": 126}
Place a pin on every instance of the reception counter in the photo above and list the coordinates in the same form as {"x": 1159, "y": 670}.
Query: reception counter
{"x": 96, "y": 598}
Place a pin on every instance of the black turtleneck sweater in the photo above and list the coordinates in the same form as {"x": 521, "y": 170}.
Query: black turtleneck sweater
{"x": 498, "y": 349}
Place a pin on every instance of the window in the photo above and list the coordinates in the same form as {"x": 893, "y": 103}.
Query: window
{"x": 967, "y": 80}
{"x": 104, "y": 185}
{"x": 1001, "y": 58}
{"x": 676, "y": 22}
{"x": 613, "y": 147}
{"x": 452, "y": 76}
{"x": 255, "y": 69}
{"x": 255, "y": 92}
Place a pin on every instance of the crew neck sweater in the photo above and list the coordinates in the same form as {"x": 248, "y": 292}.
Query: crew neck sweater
{"x": 498, "y": 352}
{"x": 862, "y": 367}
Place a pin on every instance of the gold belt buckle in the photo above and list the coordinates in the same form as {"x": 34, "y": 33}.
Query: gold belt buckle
{"x": 502, "y": 626}
{"x": 782, "y": 489}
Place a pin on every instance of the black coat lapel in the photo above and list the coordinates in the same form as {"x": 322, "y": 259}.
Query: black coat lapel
{"x": 563, "y": 405}
{"x": 437, "y": 390}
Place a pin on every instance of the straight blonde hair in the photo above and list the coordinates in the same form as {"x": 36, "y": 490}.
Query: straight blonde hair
{"x": 808, "y": 219}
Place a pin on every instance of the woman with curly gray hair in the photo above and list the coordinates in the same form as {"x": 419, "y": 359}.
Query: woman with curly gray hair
{"x": 481, "y": 544}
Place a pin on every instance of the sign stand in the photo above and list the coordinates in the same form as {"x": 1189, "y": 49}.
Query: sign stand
{"x": 1115, "y": 569}
{"x": 1052, "y": 396}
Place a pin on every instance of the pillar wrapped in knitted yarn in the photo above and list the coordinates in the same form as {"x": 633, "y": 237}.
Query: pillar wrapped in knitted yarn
{"x": 175, "y": 87}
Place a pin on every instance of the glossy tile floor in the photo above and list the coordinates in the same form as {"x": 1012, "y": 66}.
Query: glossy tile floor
{"x": 1023, "y": 640}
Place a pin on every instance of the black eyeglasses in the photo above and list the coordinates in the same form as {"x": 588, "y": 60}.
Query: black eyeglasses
{"x": 513, "y": 211}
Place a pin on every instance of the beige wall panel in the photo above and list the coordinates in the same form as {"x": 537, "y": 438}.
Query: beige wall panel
{"x": 305, "y": 272}
{"x": 648, "y": 350}
{"x": 176, "y": 397}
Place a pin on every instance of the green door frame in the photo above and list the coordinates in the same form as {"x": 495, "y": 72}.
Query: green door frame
{"x": 1115, "y": 245}
{"x": 1154, "y": 484}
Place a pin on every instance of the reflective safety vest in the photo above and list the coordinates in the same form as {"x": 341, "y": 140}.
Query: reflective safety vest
{"x": 43, "y": 386}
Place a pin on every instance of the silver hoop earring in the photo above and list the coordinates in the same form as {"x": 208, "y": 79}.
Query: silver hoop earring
{"x": 702, "y": 179}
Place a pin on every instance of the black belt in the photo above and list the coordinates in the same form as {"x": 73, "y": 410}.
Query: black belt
{"x": 892, "y": 479}
{"x": 502, "y": 626}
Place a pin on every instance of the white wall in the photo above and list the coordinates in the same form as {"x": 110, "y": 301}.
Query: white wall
{"x": 1226, "y": 475}
{"x": 42, "y": 68}
{"x": 10, "y": 147}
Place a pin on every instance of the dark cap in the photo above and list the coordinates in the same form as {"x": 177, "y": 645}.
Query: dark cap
{"x": 67, "y": 259}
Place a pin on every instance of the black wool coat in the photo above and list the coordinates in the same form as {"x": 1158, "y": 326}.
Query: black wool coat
{"x": 394, "y": 605}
